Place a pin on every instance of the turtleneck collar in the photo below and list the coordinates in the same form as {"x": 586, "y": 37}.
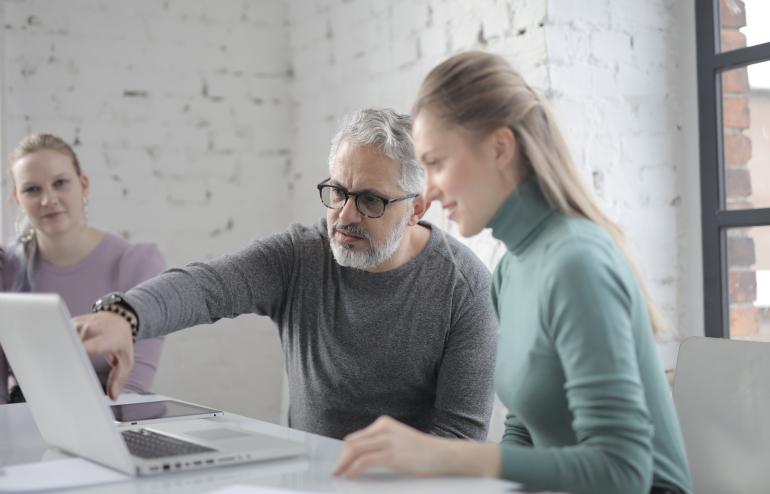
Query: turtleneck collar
{"x": 519, "y": 215}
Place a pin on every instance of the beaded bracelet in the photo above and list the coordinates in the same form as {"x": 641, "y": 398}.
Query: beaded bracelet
{"x": 117, "y": 309}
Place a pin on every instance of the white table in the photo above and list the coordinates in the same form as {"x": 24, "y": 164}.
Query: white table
{"x": 21, "y": 443}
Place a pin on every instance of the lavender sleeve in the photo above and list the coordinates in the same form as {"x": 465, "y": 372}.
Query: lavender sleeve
{"x": 140, "y": 262}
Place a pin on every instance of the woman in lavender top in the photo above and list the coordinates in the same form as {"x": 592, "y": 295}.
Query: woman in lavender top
{"x": 57, "y": 252}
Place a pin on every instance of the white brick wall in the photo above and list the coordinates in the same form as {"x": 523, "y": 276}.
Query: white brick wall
{"x": 185, "y": 108}
{"x": 612, "y": 70}
{"x": 174, "y": 106}
{"x": 181, "y": 115}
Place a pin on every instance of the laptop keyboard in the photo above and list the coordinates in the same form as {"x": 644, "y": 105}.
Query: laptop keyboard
{"x": 147, "y": 444}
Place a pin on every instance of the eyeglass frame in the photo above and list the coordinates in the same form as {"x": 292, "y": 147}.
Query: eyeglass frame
{"x": 347, "y": 194}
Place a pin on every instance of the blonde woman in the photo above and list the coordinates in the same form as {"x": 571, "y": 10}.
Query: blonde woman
{"x": 577, "y": 366}
{"x": 57, "y": 251}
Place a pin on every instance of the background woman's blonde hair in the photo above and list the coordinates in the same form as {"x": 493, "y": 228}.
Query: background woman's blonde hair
{"x": 481, "y": 92}
{"x": 25, "y": 247}
{"x": 42, "y": 142}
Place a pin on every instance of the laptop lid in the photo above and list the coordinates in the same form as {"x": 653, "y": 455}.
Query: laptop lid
{"x": 59, "y": 383}
{"x": 72, "y": 413}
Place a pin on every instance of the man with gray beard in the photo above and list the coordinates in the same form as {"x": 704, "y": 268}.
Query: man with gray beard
{"x": 378, "y": 312}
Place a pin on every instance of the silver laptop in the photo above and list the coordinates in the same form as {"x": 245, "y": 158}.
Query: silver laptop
{"x": 72, "y": 412}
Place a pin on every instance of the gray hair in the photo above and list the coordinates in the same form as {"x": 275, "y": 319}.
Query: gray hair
{"x": 388, "y": 131}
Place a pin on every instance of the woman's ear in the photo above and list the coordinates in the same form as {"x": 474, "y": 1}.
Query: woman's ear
{"x": 505, "y": 146}
{"x": 85, "y": 184}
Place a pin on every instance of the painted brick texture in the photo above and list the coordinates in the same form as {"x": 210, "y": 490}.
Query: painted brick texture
{"x": 173, "y": 107}
{"x": 180, "y": 113}
{"x": 608, "y": 67}
{"x": 206, "y": 124}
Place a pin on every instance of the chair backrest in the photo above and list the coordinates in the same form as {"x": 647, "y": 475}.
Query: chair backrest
{"x": 722, "y": 396}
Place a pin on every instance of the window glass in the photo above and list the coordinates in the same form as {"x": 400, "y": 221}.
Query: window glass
{"x": 748, "y": 279}
{"x": 746, "y": 131}
{"x": 743, "y": 23}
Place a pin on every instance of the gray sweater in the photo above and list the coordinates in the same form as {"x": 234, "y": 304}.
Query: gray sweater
{"x": 416, "y": 343}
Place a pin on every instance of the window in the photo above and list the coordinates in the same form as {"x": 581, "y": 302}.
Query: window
{"x": 733, "y": 48}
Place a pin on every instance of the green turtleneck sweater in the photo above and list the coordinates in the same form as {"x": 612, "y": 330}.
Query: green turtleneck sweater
{"x": 577, "y": 365}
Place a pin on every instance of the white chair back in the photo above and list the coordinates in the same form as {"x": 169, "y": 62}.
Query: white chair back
{"x": 722, "y": 396}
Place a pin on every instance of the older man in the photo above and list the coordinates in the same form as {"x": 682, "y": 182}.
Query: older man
{"x": 378, "y": 312}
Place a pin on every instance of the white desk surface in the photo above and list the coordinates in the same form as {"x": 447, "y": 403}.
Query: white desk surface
{"x": 21, "y": 443}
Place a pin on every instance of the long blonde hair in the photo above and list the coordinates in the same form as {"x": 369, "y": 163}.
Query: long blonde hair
{"x": 481, "y": 92}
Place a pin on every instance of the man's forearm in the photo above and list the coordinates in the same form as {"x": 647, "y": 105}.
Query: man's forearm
{"x": 167, "y": 303}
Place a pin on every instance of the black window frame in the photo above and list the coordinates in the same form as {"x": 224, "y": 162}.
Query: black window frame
{"x": 715, "y": 220}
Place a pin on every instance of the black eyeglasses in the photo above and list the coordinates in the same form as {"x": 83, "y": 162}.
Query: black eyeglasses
{"x": 369, "y": 204}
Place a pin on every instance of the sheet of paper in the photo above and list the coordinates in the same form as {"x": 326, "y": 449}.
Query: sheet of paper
{"x": 253, "y": 489}
{"x": 56, "y": 474}
{"x": 388, "y": 484}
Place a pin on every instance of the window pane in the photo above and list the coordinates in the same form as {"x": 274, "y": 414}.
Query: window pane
{"x": 748, "y": 274}
{"x": 746, "y": 121}
{"x": 743, "y": 23}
